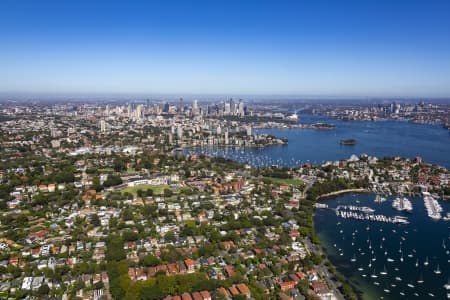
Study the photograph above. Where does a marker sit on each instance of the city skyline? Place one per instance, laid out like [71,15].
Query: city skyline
[371,49]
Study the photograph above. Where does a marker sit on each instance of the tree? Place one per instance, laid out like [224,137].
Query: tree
[95,220]
[168,192]
[170,236]
[112,180]
[348,292]
[96,184]
[119,281]
[120,164]
[43,290]
[151,261]
[127,214]
[129,235]
[115,251]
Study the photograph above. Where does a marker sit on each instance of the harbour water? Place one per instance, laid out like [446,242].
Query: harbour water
[380,138]
[385,260]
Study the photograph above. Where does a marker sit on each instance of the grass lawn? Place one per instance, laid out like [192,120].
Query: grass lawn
[292,182]
[157,189]
[106,170]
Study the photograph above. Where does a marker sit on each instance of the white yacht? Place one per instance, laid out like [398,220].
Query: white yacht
[402,204]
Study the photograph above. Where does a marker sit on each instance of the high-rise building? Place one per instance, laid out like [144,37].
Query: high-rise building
[195,107]
[241,108]
[227,110]
[166,107]
[249,130]
[102,126]
[181,108]
[232,107]
[226,137]
[129,110]
[180,132]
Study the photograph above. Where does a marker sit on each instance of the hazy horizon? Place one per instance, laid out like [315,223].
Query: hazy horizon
[356,49]
[188,98]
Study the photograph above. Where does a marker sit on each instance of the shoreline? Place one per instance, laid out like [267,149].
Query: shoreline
[340,192]
[323,249]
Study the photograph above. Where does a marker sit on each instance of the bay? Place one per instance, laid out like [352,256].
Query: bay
[422,239]
[380,138]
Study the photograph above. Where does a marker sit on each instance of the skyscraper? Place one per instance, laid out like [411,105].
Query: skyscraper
[241,108]
[227,110]
[181,108]
[195,107]
[102,126]
[232,107]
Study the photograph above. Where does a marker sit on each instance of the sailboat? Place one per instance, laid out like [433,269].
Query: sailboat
[401,258]
[425,263]
[373,274]
[420,280]
[417,263]
[353,258]
[447,285]
[384,272]
[437,271]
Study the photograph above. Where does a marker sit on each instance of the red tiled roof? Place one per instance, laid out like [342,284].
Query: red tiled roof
[205,295]
[242,287]
[186,296]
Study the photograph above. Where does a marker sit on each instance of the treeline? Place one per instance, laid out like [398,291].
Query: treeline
[333,185]
[282,173]
[162,285]
[117,267]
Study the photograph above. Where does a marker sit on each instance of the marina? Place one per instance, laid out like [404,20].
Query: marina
[371,217]
[433,207]
[386,260]
[402,204]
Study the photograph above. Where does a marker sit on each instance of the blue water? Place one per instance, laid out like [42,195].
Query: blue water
[422,238]
[381,138]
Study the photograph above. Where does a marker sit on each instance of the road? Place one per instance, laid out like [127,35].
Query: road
[323,269]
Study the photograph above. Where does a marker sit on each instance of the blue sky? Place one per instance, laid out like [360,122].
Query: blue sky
[316,47]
